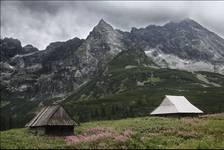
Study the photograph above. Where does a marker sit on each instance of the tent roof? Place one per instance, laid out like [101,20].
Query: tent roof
[175,104]
[50,116]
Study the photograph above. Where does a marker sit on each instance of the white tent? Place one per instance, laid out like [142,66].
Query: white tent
[175,105]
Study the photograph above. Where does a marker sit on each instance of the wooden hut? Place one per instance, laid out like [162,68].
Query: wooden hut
[52,120]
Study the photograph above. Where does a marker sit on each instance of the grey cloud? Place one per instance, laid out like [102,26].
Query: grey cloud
[42,22]
[41,6]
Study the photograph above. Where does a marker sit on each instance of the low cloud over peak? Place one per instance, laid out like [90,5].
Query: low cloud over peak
[42,22]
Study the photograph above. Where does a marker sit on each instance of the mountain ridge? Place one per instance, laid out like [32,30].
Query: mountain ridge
[168,47]
[31,77]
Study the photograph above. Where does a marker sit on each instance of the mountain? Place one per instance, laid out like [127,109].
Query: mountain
[184,45]
[112,74]
[59,69]
[36,75]
[102,44]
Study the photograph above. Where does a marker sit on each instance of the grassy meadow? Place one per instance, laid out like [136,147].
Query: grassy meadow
[143,132]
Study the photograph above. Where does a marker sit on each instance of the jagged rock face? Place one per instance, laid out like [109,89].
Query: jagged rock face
[39,75]
[9,47]
[187,40]
[184,45]
[102,44]
[29,49]
[63,66]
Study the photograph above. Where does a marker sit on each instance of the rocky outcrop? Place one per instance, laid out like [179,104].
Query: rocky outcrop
[102,44]
[39,75]
[182,45]
[9,47]
[29,49]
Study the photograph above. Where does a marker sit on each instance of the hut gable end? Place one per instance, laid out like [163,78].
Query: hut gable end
[60,117]
[51,116]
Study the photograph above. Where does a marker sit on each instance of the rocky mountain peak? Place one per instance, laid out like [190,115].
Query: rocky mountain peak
[53,45]
[103,23]
[9,47]
[11,43]
[29,49]
[104,38]
[102,26]
[181,41]
[101,45]
[184,24]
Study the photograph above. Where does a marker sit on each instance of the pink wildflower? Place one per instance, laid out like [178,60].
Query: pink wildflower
[97,133]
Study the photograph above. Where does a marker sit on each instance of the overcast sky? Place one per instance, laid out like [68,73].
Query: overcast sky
[41,22]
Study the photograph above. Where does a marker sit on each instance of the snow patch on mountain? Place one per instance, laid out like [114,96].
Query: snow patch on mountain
[174,62]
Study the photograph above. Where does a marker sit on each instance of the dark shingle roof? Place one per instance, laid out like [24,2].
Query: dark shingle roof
[50,116]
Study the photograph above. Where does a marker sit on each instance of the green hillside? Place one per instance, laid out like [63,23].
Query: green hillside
[132,85]
[141,132]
